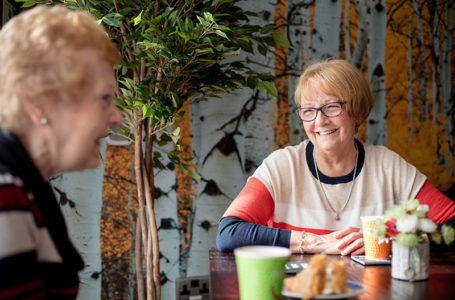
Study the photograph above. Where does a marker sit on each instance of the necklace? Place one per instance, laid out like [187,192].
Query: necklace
[337,212]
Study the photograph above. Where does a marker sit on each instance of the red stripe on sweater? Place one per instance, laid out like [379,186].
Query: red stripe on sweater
[64,291]
[14,198]
[282,225]
[37,296]
[441,207]
[24,288]
[254,204]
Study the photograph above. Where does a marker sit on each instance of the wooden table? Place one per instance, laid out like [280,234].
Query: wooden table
[377,280]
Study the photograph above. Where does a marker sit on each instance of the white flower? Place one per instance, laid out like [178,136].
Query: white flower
[422,207]
[427,225]
[407,224]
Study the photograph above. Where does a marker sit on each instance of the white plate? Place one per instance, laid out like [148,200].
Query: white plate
[353,289]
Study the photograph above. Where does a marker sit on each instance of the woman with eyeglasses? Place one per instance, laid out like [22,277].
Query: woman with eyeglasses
[310,197]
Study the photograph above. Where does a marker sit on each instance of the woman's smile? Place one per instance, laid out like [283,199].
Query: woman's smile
[326,132]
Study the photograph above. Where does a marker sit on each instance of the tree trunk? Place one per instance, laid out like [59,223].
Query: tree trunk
[283,119]
[185,193]
[446,81]
[135,238]
[141,253]
[377,128]
[305,11]
[80,196]
[153,250]
[347,36]
[433,23]
[409,81]
[362,34]
[220,154]
[139,261]
[423,76]
[296,32]
[326,29]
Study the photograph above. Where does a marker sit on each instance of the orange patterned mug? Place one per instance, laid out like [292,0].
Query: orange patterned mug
[373,250]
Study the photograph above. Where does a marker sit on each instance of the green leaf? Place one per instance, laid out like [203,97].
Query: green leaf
[407,239]
[167,11]
[224,28]
[28,4]
[158,164]
[262,49]
[204,51]
[202,21]
[175,99]
[149,30]
[124,11]
[252,82]
[184,36]
[173,17]
[380,229]
[194,175]
[140,102]
[235,52]
[396,212]
[419,213]
[281,39]
[270,88]
[146,112]
[112,19]
[138,19]
[157,19]
[411,204]
[176,132]
[150,45]
[157,154]
[448,233]
[208,16]
[268,28]
[261,86]
[222,34]
[436,237]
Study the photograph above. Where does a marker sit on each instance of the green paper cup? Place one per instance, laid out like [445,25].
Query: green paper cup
[260,271]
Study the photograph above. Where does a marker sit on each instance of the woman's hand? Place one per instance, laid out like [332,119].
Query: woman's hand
[344,242]
[350,241]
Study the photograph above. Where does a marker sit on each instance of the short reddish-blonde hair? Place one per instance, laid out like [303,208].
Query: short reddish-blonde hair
[341,79]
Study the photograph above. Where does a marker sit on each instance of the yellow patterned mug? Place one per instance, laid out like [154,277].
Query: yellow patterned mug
[373,250]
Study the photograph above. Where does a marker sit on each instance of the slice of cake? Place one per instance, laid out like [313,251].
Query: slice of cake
[335,278]
[319,277]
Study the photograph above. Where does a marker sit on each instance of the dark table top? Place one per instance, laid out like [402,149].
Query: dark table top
[377,280]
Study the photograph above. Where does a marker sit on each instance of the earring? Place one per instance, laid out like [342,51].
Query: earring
[43,120]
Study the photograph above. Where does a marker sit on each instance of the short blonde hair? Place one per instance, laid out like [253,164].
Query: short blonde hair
[341,79]
[40,54]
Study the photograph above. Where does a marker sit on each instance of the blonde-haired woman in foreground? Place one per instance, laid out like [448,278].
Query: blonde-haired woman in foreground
[57,87]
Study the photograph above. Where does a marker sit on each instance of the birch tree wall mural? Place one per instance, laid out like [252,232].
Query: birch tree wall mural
[404,48]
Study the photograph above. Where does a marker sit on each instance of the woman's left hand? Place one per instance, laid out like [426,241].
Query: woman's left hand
[351,241]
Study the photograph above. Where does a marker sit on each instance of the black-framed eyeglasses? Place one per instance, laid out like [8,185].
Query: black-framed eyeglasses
[330,110]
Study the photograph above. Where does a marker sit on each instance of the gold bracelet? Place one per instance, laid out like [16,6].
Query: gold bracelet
[301,240]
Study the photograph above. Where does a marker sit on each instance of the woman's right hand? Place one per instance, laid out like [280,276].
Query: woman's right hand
[344,242]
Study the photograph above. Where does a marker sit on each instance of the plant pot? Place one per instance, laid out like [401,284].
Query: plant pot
[411,264]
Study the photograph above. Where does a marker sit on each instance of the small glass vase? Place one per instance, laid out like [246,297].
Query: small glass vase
[411,264]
